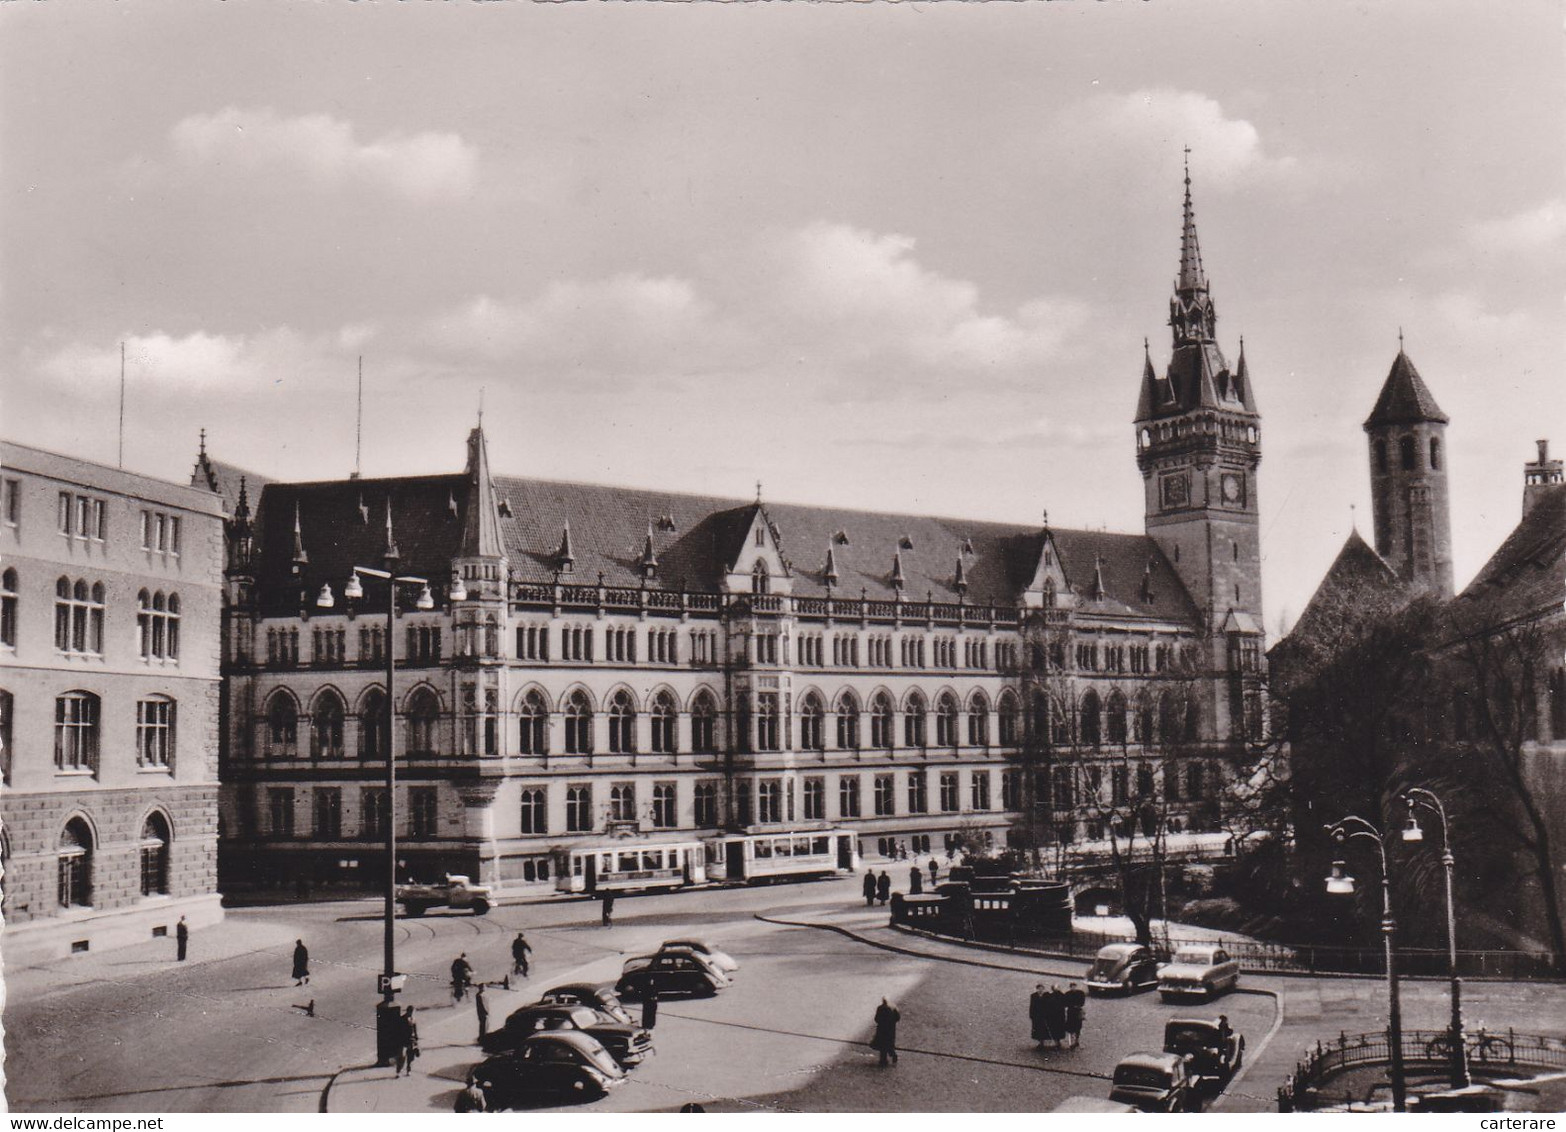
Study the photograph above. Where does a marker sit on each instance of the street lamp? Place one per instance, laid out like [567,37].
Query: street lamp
[1415,797]
[384,1044]
[1340,883]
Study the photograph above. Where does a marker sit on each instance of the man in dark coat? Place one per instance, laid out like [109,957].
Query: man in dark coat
[883,887]
[410,1035]
[935,872]
[181,938]
[1055,1014]
[1076,1007]
[885,1040]
[301,963]
[519,953]
[869,888]
[1036,1015]
[461,976]
[915,881]
[650,1003]
[607,919]
[481,1004]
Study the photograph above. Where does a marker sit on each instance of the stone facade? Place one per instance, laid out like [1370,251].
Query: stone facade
[109,689]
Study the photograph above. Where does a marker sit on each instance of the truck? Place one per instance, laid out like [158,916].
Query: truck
[453,892]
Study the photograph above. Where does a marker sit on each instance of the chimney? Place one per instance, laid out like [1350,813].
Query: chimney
[1539,476]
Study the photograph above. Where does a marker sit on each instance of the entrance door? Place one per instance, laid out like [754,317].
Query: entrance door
[845,852]
[736,859]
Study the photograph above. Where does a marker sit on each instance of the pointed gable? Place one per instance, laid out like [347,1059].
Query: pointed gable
[1527,573]
[1404,399]
[1358,582]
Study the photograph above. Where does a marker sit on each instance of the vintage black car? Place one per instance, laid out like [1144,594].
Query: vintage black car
[1153,1082]
[674,973]
[600,996]
[548,1068]
[1210,1047]
[627,1044]
[1122,968]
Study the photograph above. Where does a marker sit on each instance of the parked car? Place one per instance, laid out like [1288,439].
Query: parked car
[1152,1082]
[722,960]
[549,1067]
[1092,1104]
[1199,970]
[682,972]
[1122,967]
[1210,1047]
[599,996]
[626,1043]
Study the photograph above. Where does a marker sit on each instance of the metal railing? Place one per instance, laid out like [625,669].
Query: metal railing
[1495,1051]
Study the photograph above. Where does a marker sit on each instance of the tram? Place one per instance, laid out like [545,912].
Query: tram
[758,858]
[628,866]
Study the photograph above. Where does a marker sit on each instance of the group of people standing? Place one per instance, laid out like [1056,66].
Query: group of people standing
[1057,1014]
[878,886]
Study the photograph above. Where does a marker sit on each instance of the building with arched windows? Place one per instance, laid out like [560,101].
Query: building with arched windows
[109,690]
[605,662]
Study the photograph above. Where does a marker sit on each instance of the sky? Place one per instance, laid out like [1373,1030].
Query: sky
[884,256]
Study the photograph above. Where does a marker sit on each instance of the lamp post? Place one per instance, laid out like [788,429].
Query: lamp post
[1415,797]
[1340,883]
[353,591]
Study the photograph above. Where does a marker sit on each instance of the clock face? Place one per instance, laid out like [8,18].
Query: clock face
[1231,489]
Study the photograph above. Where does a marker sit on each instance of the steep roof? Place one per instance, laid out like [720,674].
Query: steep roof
[1527,574]
[1358,582]
[1404,398]
[696,540]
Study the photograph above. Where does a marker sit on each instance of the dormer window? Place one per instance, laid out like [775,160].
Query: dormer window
[761,537]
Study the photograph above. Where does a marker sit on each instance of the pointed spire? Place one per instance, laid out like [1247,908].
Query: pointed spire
[898,580]
[204,474]
[1192,277]
[202,453]
[960,579]
[389,555]
[242,508]
[1404,398]
[481,518]
[301,559]
[364,510]
[1098,578]
[829,572]
[1147,581]
[649,559]
[1191,314]
[565,561]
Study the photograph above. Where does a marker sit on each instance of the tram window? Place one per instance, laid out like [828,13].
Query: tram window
[763,849]
[652,859]
[821,846]
[784,847]
[629,862]
[576,865]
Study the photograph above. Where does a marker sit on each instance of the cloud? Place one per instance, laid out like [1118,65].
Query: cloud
[1534,231]
[1161,121]
[324,152]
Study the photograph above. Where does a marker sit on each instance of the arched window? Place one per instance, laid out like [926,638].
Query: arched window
[95,618]
[767,722]
[622,724]
[946,721]
[1168,718]
[533,715]
[663,717]
[1117,718]
[75,861]
[622,802]
[760,579]
[1007,714]
[423,714]
[913,721]
[881,721]
[847,722]
[173,629]
[326,727]
[1435,454]
[812,732]
[1406,453]
[491,636]
[155,839]
[282,727]
[1041,721]
[372,726]
[1089,720]
[76,732]
[978,721]
[579,724]
[8,608]
[155,733]
[704,724]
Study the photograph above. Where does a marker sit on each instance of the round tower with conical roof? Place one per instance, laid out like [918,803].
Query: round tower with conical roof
[1408,488]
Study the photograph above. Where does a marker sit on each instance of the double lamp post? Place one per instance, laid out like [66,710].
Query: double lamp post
[1339,882]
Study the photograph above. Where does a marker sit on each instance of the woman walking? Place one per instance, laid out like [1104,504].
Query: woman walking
[885,1040]
[301,963]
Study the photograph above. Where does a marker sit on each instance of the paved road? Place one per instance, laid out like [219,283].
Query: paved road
[133,1031]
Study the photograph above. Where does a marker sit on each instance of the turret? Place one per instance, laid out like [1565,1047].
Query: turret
[1540,474]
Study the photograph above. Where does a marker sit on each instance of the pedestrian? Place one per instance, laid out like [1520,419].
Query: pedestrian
[869,888]
[883,887]
[481,1004]
[399,1038]
[608,910]
[885,1040]
[519,954]
[301,963]
[461,976]
[1224,1029]
[1036,1015]
[915,881]
[935,872]
[1055,1014]
[181,938]
[411,1036]
[472,1098]
[650,1003]
[1076,1009]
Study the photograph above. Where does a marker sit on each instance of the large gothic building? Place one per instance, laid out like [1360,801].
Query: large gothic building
[595,666]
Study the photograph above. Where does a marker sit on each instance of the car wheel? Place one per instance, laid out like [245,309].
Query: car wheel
[481,907]
[413,909]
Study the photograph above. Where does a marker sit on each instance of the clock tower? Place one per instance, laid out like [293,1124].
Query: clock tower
[1198,443]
